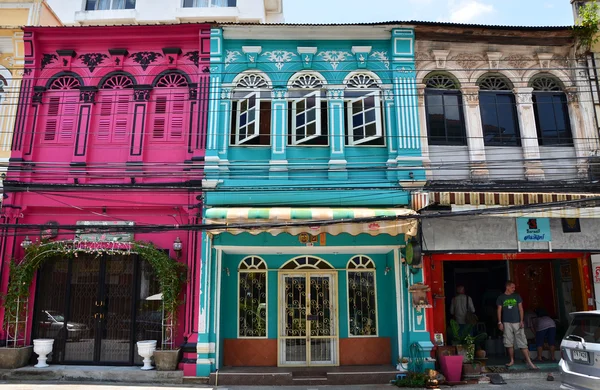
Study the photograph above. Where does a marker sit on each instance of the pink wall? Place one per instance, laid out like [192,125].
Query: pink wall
[138,146]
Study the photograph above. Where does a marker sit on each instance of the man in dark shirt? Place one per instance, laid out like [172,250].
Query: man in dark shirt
[511,323]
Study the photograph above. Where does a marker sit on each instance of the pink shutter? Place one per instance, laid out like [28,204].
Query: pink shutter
[68,120]
[52,118]
[103,128]
[159,118]
[177,116]
[122,114]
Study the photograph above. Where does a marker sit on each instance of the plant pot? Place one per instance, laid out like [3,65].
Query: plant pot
[480,354]
[471,369]
[42,347]
[452,367]
[146,349]
[166,360]
[15,357]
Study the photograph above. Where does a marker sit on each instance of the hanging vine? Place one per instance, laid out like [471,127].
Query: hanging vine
[586,28]
[170,274]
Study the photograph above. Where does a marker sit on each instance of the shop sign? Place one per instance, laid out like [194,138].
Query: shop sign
[534,229]
[97,235]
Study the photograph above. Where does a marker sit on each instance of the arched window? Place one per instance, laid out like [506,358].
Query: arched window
[252,297]
[307,262]
[362,297]
[307,110]
[170,108]
[498,112]
[251,111]
[364,124]
[551,112]
[60,109]
[443,106]
[114,109]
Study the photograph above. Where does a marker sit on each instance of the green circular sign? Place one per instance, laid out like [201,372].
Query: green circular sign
[409,253]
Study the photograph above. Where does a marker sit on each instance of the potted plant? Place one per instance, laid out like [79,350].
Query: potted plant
[465,345]
[171,276]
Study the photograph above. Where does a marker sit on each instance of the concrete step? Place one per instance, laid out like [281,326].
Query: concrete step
[57,373]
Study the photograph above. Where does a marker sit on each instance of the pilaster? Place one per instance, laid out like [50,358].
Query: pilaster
[337,154]
[391,140]
[219,109]
[474,129]
[279,129]
[87,96]
[529,139]
[141,97]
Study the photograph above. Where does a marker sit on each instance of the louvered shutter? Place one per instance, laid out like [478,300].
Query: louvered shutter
[121,129]
[52,118]
[177,116]
[103,128]
[159,119]
[68,120]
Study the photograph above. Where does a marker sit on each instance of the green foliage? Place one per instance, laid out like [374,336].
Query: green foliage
[586,29]
[412,379]
[171,274]
[464,337]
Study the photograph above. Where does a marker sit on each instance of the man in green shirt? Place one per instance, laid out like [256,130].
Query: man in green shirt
[511,323]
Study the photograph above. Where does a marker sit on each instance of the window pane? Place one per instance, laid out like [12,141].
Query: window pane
[371,130]
[300,132]
[243,119]
[370,116]
[311,115]
[311,102]
[252,101]
[357,120]
[357,106]
[311,129]
[90,5]
[251,115]
[435,118]
[299,120]
[361,303]
[252,304]
[489,118]
[130,4]
[507,119]
[358,133]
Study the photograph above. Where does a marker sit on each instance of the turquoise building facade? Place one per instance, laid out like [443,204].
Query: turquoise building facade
[313,144]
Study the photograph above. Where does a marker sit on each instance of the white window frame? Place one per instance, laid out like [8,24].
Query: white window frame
[316,121]
[254,270]
[209,3]
[378,119]
[239,113]
[111,7]
[362,268]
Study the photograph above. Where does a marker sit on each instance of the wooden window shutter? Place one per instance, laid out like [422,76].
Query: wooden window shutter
[68,121]
[121,121]
[177,116]
[159,120]
[104,118]
[52,118]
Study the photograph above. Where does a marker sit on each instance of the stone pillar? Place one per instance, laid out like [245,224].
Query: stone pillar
[337,140]
[528,130]
[474,130]
[279,130]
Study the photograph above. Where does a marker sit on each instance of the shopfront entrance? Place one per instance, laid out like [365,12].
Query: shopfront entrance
[308,327]
[96,308]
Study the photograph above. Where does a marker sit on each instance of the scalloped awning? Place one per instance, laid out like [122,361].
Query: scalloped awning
[295,216]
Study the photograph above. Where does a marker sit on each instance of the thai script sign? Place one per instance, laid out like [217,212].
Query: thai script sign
[534,229]
[91,234]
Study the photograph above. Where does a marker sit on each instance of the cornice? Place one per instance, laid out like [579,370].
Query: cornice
[258,32]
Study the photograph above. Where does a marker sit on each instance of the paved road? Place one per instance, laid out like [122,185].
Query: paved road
[511,385]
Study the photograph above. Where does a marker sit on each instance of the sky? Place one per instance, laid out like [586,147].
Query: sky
[501,12]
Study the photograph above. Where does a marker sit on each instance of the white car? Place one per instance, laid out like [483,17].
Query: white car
[580,352]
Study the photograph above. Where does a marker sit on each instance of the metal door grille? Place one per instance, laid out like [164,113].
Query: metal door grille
[308,319]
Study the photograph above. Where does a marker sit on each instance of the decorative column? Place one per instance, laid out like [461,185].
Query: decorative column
[337,155]
[581,142]
[391,139]
[279,129]
[87,96]
[141,97]
[474,130]
[527,128]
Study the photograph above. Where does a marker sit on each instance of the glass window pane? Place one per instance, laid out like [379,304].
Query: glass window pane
[243,119]
[90,5]
[251,129]
[251,115]
[370,116]
[545,113]
[361,303]
[311,115]
[299,120]
[357,106]
[311,102]
[300,132]
[489,118]
[252,101]
[252,305]
[358,133]
[130,4]
[311,129]
[371,130]
[244,105]
[300,106]
[435,118]
[357,120]
[560,112]
[507,118]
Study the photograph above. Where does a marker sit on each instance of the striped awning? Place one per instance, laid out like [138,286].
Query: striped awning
[298,220]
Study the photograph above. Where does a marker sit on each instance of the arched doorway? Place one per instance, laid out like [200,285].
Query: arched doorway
[308,323]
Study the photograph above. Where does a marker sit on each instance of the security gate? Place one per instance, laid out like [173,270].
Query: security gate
[308,329]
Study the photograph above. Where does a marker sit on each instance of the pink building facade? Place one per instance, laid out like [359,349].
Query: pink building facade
[110,128]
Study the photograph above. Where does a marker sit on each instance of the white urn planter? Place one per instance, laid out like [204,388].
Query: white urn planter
[146,349]
[42,347]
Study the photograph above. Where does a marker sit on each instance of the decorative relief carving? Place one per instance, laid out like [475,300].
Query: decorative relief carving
[334,57]
[440,58]
[518,61]
[471,98]
[141,95]
[422,56]
[92,60]
[494,59]
[572,95]
[279,57]
[27,71]
[523,97]
[335,93]
[193,56]
[193,93]
[231,57]
[145,58]
[37,96]
[382,56]
[48,59]
[10,61]
[560,61]
[279,93]
[87,96]
[388,94]
[225,93]
[468,60]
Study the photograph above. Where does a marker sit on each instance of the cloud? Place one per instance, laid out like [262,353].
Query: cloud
[467,11]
